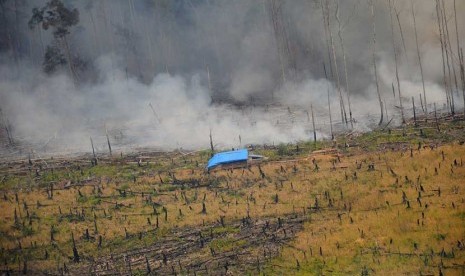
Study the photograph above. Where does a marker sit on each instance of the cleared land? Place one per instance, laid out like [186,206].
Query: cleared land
[388,202]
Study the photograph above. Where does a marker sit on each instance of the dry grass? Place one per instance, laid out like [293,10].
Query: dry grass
[361,223]
[380,234]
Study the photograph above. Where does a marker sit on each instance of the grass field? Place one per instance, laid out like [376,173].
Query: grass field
[385,202]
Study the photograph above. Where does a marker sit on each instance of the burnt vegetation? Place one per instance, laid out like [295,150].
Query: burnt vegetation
[162,213]
[387,201]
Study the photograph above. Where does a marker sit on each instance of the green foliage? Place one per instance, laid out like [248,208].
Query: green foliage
[226,244]
[54,14]
[440,236]
[223,230]
[27,231]
[57,16]
[53,59]
[283,150]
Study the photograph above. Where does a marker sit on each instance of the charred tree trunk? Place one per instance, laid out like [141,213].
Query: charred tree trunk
[313,123]
[211,143]
[108,140]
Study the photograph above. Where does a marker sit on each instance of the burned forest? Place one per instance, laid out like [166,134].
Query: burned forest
[218,137]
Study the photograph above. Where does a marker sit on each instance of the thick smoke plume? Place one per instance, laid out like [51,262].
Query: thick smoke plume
[165,73]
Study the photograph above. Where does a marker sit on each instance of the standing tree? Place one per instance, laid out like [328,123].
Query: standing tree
[374,61]
[61,19]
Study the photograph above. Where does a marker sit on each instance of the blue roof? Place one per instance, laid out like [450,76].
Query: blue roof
[228,157]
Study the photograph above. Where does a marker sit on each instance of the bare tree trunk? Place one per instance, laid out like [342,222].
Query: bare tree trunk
[7,128]
[422,107]
[41,41]
[386,111]
[374,61]
[323,13]
[11,43]
[449,55]
[109,36]
[108,139]
[94,30]
[155,113]
[70,61]
[400,29]
[462,75]
[419,59]
[460,54]
[397,66]
[456,29]
[439,17]
[150,45]
[211,143]
[275,20]
[313,123]
[93,149]
[329,107]
[336,69]
[341,38]
[208,77]
[17,42]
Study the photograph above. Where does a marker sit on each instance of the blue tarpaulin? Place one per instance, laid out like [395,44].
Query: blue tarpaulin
[228,157]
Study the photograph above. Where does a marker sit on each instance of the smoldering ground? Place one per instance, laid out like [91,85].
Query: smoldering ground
[152,68]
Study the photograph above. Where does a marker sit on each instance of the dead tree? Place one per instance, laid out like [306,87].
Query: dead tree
[374,61]
[75,251]
[93,149]
[313,122]
[400,30]
[329,107]
[208,78]
[460,54]
[341,38]
[7,128]
[155,113]
[323,13]
[396,63]
[108,140]
[286,59]
[462,75]
[336,69]
[442,42]
[449,56]
[419,59]
[211,143]
[204,208]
